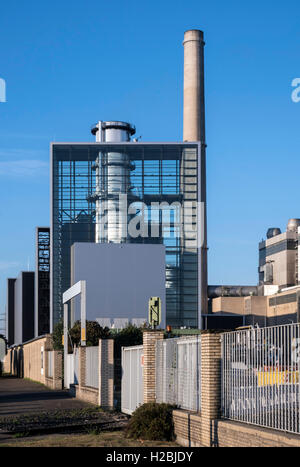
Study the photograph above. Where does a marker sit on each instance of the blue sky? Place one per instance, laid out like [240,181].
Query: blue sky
[68,64]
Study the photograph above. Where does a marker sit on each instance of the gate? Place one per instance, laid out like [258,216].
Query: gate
[132,387]
[260,377]
[178,372]
[92,367]
[71,370]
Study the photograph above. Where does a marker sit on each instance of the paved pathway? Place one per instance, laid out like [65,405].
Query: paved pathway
[20,396]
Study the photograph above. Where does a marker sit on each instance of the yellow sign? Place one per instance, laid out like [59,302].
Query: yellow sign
[63,340]
[83,334]
[154,311]
[272,377]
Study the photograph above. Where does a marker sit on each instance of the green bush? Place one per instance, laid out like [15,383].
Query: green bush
[94,332]
[129,336]
[152,422]
[57,335]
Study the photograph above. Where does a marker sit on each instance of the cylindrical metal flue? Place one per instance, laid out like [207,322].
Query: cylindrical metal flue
[293,225]
[273,231]
[215,291]
[112,183]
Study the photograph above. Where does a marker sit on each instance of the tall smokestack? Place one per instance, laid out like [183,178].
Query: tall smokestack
[193,100]
[194,130]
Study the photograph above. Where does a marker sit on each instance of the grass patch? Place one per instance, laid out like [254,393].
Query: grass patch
[21,435]
[84,417]
[104,439]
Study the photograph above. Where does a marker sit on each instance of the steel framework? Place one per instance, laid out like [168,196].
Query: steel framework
[163,172]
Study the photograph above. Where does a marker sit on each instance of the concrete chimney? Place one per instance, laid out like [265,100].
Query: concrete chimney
[193,100]
[194,130]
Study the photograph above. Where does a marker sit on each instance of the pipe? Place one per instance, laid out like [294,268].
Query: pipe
[215,291]
[112,181]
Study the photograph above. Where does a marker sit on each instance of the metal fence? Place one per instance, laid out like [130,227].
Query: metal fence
[76,365]
[260,377]
[50,364]
[69,370]
[178,372]
[132,391]
[92,367]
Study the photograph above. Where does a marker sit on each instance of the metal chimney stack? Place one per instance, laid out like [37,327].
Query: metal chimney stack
[194,131]
[112,182]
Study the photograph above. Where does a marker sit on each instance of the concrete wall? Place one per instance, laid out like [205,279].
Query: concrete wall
[264,310]
[120,279]
[30,361]
[228,305]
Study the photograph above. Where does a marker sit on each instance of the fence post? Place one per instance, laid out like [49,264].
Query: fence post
[210,385]
[82,366]
[57,369]
[106,373]
[149,341]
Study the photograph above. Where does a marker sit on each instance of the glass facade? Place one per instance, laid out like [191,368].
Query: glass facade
[163,193]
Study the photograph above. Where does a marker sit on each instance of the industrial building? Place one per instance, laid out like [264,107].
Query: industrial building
[129,219]
[122,191]
[276,299]
[24,307]
[28,296]
[10,310]
[278,256]
[42,282]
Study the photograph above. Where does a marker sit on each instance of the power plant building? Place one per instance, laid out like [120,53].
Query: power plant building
[159,186]
[118,190]
[278,256]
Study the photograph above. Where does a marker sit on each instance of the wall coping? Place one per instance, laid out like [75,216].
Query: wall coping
[44,336]
[187,414]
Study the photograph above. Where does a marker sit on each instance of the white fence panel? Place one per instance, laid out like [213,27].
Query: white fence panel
[260,377]
[92,367]
[50,355]
[70,370]
[178,372]
[76,365]
[132,391]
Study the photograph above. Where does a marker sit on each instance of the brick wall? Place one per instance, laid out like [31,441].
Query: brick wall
[234,434]
[7,362]
[206,428]
[30,361]
[104,395]
[187,427]
[210,384]
[106,373]
[56,381]
[34,359]
[149,340]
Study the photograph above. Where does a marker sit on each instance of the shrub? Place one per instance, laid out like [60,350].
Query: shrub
[57,334]
[129,336]
[94,332]
[152,422]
